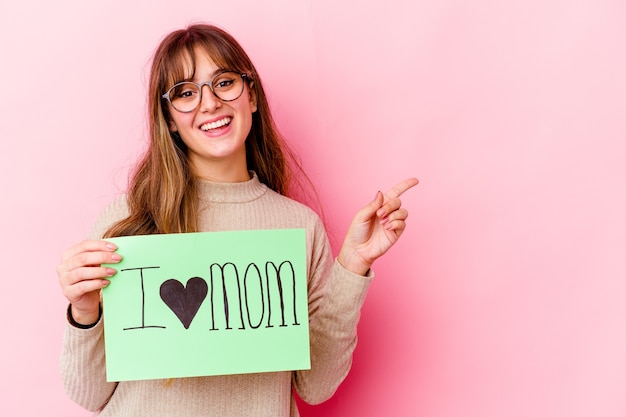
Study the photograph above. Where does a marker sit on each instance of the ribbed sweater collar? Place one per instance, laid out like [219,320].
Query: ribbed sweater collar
[231,192]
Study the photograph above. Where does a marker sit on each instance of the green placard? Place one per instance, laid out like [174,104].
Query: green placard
[198,304]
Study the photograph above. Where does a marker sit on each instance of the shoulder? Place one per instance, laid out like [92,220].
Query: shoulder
[276,211]
[284,206]
[112,213]
[288,213]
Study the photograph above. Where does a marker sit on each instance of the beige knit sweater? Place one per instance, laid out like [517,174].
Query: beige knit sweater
[335,299]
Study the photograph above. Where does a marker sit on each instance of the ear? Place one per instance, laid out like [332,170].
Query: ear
[252,94]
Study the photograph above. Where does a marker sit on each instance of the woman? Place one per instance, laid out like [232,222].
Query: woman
[216,162]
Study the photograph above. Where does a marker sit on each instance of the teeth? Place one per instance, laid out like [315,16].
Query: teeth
[215,125]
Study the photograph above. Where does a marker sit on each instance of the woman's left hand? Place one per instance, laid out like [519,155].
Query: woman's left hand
[375,229]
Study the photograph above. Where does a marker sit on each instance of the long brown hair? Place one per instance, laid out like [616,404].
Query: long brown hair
[162,195]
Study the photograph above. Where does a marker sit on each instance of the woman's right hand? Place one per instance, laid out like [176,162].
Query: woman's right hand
[81,277]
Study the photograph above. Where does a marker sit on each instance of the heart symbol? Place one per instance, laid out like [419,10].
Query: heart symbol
[184,302]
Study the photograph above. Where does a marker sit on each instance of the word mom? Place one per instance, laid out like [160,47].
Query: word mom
[236,300]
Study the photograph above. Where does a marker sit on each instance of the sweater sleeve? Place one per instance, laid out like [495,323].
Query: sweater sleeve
[335,299]
[82,357]
[83,367]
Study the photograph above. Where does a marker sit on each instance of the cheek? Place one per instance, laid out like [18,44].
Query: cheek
[247,121]
[251,99]
[181,121]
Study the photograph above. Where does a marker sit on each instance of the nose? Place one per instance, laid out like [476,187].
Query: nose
[208,101]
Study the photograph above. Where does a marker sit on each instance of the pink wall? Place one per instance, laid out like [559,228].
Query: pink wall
[506,296]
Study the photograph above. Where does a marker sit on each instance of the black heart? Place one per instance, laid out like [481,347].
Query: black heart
[184,302]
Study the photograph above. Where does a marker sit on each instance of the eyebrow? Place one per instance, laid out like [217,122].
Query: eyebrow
[211,75]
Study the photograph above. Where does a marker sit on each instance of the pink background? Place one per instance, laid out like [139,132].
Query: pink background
[505,297]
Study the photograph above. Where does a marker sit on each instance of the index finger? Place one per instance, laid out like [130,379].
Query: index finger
[89,246]
[398,189]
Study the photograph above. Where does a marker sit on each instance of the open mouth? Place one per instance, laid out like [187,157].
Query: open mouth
[216,124]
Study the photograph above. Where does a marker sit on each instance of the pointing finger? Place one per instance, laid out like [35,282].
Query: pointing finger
[398,189]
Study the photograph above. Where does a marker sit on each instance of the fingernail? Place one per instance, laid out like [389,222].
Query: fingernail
[105,282]
[111,246]
[116,257]
[111,272]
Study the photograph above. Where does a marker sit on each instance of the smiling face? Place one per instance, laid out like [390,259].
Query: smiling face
[215,132]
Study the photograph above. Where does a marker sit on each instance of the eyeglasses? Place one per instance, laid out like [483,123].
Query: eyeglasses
[187,95]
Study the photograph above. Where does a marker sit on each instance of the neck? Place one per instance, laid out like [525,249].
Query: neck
[222,171]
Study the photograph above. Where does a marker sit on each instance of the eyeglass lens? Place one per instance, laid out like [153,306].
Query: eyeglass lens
[226,86]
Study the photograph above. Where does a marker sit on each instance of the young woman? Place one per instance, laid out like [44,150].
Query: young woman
[216,162]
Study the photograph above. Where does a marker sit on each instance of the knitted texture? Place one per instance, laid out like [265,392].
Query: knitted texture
[335,297]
